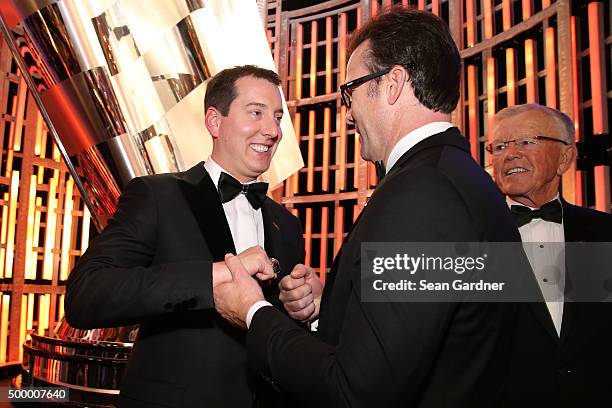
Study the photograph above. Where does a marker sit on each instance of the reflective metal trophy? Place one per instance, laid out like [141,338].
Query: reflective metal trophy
[120,84]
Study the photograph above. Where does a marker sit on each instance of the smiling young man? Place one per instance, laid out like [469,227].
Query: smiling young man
[561,356]
[160,257]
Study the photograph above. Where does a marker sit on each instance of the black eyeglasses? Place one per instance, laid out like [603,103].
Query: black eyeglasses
[523,143]
[346,89]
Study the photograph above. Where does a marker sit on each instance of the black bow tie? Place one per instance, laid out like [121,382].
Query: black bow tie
[229,188]
[380,169]
[548,212]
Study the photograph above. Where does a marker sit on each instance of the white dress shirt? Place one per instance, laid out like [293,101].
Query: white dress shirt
[411,139]
[245,222]
[547,259]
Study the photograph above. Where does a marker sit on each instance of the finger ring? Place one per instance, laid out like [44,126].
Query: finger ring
[275,265]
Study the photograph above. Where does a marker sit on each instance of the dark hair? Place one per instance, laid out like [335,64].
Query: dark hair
[221,89]
[420,42]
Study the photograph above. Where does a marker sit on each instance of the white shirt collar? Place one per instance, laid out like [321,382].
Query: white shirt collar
[411,139]
[511,202]
[214,170]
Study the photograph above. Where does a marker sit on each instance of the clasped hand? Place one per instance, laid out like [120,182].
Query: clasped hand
[235,290]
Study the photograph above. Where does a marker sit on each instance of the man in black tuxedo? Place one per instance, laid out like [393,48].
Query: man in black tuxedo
[562,356]
[404,75]
[159,259]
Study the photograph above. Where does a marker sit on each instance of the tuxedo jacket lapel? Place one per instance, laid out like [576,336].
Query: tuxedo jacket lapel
[273,239]
[203,199]
[572,233]
[540,311]
[571,224]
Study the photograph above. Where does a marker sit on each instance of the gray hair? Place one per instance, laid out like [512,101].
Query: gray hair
[563,122]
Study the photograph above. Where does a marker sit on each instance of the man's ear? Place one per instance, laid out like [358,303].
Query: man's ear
[212,120]
[398,77]
[568,157]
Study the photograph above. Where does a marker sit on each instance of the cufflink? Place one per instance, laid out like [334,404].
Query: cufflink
[275,265]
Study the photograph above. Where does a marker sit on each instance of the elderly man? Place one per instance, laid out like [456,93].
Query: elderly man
[403,83]
[562,354]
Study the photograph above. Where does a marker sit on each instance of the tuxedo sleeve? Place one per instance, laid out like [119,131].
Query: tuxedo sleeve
[385,350]
[116,283]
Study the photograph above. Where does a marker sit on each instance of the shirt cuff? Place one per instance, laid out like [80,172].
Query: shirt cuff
[253,309]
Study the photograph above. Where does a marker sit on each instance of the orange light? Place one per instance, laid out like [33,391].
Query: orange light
[323,242]
[527,9]
[510,77]
[308,235]
[435,7]
[23,323]
[551,68]
[326,136]
[506,14]
[473,111]
[470,17]
[48,257]
[299,46]
[20,114]
[85,229]
[575,90]
[311,151]
[66,231]
[338,230]
[599,100]
[3,234]
[10,238]
[30,265]
[578,179]
[602,192]
[39,131]
[43,313]
[341,179]
[295,179]
[530,71]
[36,236]
[488,19]
[313,59]
[5,302]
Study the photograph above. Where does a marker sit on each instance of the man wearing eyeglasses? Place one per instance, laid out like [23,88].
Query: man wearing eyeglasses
[403,83]
[562,356]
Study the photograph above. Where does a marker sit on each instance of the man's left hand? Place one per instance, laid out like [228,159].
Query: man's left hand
[234,299]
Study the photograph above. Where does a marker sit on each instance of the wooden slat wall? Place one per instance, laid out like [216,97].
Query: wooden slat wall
[539,56]
[514,51]
[44,224]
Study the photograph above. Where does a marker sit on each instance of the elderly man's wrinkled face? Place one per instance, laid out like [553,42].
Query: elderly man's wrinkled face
[530,173]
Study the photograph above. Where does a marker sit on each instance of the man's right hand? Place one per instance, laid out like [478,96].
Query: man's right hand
[300,292]
[255,261]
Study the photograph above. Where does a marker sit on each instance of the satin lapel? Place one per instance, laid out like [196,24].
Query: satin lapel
[571,224]
[203,199]
[273,239]
[540,311]
[570,310]
[573,232]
